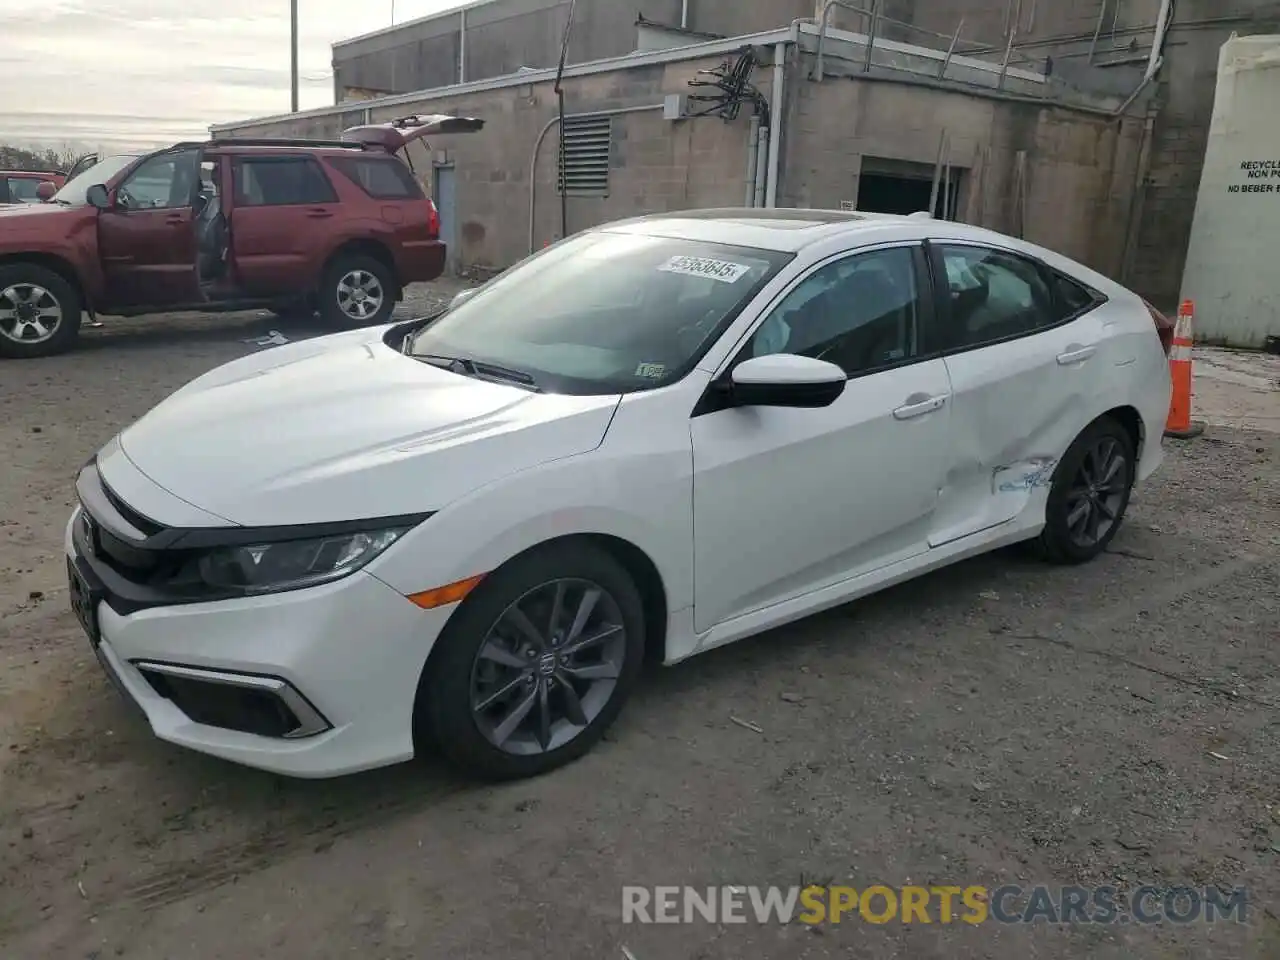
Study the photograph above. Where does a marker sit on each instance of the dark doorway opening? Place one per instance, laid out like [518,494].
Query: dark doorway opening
[885,193]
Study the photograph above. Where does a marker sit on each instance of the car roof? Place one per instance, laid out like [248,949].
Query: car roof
[782,229]
[790,230]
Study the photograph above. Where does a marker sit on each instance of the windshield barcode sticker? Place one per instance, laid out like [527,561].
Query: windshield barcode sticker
[726,271]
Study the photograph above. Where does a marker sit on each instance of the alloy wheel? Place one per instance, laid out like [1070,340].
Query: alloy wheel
[360,294]
[548,666]
[29,313]
[1096,495]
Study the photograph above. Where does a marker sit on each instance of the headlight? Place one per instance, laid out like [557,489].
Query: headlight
[271,567]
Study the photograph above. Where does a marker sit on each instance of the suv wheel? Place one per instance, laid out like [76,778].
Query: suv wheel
[39,312]
[357,291]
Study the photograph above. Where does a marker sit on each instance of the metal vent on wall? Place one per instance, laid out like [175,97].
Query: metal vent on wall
[584,162]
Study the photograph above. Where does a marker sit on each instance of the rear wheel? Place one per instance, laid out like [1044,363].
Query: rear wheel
[39,312]
[535,666]
[357,291]
[1090,494]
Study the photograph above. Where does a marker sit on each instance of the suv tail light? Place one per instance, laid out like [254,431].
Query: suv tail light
[433,220]
[1164,327]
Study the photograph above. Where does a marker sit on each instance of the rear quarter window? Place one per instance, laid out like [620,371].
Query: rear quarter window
[380,178]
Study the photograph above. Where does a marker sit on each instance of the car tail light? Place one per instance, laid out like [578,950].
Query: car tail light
[1164,327]
[433,219]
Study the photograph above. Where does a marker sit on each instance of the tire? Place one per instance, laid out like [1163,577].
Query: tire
[456,677]
[350,272]
[38,293]
[1105,499]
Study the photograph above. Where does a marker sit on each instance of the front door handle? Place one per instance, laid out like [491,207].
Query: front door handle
[318,214]
[917,405]
[1076,355]
[175,218]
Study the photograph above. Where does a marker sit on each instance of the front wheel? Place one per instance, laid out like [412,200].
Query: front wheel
[357,291]
[39,312]
[536,664]
[1090,494]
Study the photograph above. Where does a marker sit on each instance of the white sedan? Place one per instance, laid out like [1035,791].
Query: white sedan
[649,440]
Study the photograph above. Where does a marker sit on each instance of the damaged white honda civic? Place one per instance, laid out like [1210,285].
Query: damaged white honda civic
[464,534]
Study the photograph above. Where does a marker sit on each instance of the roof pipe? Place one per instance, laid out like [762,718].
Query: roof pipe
[1163,22]
[684,14]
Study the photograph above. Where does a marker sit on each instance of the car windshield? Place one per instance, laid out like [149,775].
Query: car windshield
[601,312]
[73,191]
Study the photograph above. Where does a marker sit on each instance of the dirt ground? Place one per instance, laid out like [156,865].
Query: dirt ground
[999,722]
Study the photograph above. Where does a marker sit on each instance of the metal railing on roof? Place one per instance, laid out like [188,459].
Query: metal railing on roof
[876,21]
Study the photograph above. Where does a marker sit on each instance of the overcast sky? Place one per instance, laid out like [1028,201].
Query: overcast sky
[126,73]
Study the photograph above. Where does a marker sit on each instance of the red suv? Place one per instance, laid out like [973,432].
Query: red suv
[338,226]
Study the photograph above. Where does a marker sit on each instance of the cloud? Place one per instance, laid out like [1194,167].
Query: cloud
[120,74]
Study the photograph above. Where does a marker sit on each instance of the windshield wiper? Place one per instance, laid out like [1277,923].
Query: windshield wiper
[480,369]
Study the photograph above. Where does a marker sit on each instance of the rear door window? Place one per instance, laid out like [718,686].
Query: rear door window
[993,295]
[281,181]
[1074,298]
[383,178]
[23,189]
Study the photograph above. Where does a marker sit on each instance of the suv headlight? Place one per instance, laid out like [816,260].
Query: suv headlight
[293,564]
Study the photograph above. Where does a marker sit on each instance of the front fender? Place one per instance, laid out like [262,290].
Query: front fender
[595,493]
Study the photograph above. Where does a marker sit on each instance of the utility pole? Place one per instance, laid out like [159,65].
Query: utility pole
[293,51]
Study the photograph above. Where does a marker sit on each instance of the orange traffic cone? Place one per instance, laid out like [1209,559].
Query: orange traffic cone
[1179,425]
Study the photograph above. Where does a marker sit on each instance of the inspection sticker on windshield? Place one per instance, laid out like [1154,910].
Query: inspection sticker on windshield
[651,371]
[726,271]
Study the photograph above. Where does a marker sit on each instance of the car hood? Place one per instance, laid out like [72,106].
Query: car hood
[33,211]
[23,224]
[345,428]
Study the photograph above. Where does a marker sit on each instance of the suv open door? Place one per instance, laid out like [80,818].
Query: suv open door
[82,164]
[396,134]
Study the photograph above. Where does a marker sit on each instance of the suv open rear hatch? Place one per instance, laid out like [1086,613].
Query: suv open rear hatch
[396,134]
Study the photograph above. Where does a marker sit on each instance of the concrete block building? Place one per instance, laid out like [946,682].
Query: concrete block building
[1077,125]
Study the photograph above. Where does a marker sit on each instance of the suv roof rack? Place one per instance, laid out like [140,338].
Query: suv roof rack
[285,142]
[52,170]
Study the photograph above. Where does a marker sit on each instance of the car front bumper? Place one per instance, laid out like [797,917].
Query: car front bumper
[330,673]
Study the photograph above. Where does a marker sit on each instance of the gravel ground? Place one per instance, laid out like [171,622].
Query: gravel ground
[999,722]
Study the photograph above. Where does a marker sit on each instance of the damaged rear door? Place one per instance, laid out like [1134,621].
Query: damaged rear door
[1023,347]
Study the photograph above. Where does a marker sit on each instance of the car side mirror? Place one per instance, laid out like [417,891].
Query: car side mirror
[787,380]
[463,297]
[46,190]
[97,197]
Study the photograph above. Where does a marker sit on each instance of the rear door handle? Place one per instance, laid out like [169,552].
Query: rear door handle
[175,218]
[1076,355]
[319,214]
[917,405]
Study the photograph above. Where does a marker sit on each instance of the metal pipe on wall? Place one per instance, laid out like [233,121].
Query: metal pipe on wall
[684,14]
[542,135]
[776,110]
[462,45]
[753,148]
[293,53]
[762,165]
